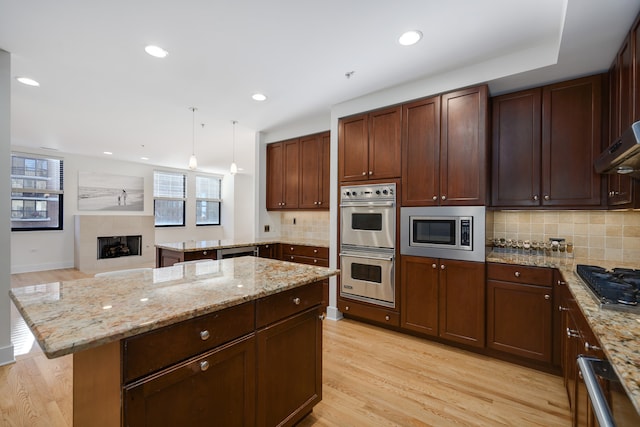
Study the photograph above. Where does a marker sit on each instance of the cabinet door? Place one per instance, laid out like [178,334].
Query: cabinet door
[289,369]
[353,148]
[519,319]
[384,144]
[291,172]
[516,149]
[463,147]
[462,302]
[216,388]
[571,141]
[419,290]
[325,183]
[310,171]
[275,175]
[421,148]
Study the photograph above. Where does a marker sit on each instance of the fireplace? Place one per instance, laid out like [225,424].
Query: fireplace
[119,246]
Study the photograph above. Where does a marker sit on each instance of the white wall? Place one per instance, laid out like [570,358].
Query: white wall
[46,250]
[6,348]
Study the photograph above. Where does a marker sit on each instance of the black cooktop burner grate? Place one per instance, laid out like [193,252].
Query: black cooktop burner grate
[617,289]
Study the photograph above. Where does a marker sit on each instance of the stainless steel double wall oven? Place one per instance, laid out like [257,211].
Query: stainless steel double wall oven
[367,246]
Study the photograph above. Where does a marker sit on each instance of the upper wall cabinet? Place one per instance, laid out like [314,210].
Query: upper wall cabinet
[545,141]
[298,173]
[444,147]
[624,99]
[369,145]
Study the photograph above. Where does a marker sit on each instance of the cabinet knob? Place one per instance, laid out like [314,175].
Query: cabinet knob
[296,301]
[591,347]
[315,251]
[204,365]
[443,197]
[387,318]
[572,333]
[291,248]
[442,267]
[546,197]
[370,172]
[315,203]
[561,308]
[434,265]
[322,316]
[291,257]
[319,203]
[364,173]
[315,261]
[204,252]
[561,283]
[517,274]
[547,297]
[204,335]
[435,197]
[535,197]
[346,308]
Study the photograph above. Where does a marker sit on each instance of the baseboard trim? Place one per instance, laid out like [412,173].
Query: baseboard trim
[333,313]
[15,269]
[6,355]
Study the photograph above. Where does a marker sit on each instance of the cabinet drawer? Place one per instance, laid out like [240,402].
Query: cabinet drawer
[375,314]
[520,274]
[320,262]
[308,251]
[147,353]
[287,303]
[204,254]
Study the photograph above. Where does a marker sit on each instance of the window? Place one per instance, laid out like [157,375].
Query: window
[36,192]
[207,200]
[169,195]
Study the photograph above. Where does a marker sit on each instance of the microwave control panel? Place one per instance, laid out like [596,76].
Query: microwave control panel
[465,233]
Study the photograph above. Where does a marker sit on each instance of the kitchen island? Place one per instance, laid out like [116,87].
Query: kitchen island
[617,332]
[234,342]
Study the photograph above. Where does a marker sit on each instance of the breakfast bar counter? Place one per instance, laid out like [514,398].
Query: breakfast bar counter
[139,340]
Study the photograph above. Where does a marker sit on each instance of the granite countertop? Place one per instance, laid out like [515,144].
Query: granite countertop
[201,245]
[67,317]
[618,332]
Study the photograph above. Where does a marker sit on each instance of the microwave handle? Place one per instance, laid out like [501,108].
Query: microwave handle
[368,257]
[366,204]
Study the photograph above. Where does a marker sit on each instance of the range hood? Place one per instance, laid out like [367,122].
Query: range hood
[623,156]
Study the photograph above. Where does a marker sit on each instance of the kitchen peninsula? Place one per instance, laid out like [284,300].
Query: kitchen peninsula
[235,341]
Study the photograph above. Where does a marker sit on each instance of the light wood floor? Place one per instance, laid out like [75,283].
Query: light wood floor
[371,377]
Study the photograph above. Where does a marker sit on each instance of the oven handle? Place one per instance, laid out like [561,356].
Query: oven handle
[366,204]
[600,406]
[368,257]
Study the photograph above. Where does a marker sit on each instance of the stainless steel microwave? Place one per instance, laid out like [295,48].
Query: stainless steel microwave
[453,232]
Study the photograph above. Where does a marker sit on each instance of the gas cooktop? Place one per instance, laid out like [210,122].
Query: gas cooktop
[617,289]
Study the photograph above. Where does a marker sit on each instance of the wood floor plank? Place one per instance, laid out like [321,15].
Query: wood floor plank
[371,377]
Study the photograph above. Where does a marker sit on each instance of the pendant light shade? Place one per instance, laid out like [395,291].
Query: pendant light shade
[193,162]
[234,168]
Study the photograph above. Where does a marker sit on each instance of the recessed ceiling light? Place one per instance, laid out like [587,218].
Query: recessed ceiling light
[259,97]
[410,37]
[108,153]
[144,158]
[156,51]
[27,81]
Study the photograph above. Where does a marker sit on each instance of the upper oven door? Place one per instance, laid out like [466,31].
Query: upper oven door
[368,224]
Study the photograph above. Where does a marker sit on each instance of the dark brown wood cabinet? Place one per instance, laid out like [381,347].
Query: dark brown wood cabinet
[314,171]
[444,145]
[283,166]
[167,257]
[519,311]
[269,250]
[369,145]
[545,141]
[303,254]
[444,298]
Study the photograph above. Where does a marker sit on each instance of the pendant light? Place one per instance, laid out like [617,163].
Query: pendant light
[193,162]
[234,168]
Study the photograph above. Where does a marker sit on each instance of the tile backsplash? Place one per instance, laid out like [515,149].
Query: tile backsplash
[603,235]
[308,225]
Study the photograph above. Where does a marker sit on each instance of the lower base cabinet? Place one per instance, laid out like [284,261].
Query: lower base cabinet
[444,298]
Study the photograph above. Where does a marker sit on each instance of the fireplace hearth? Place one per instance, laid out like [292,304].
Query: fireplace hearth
[119,246]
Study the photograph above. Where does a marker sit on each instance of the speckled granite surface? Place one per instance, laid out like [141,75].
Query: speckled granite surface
[200,245]
[67,317]
[618,333]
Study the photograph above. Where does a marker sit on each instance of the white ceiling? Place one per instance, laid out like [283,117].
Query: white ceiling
[101,92]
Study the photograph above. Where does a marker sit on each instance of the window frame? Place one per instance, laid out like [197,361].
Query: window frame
[182,199]
[217,200]
[33,192]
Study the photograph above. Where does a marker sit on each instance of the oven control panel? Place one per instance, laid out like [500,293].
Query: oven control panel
[368,192]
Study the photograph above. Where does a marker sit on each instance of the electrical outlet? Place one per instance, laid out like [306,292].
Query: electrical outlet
[294,221]
[266,228]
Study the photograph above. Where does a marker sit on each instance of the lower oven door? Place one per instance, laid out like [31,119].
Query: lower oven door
[368,276]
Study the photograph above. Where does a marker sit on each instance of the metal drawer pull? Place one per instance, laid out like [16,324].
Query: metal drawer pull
[204,335]
[561,283]
[591,347]
[561,308]
[296,301]
[572,333]
[204,365]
